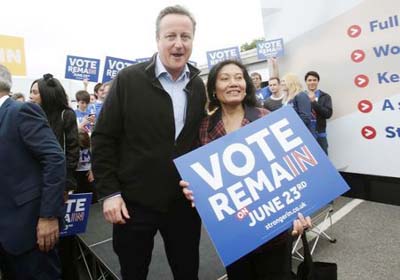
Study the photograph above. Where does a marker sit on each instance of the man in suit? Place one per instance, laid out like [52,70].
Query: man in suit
[32,176]
[151,116]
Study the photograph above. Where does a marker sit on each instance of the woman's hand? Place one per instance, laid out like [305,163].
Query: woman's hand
[300,224]
[188,193]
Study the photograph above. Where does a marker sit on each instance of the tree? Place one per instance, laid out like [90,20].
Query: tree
[252,45]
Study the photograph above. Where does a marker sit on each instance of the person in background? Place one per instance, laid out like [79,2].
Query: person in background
[98,88]
[232,98]
[262,93]
[32,176]
[297,98]
[50,95]
[84,174]
[93,98]
[18,97]
[85,113]
[274,102]
[151,116]
[101,97]
[321,104]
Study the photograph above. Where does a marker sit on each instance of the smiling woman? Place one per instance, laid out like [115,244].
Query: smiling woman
[232,102]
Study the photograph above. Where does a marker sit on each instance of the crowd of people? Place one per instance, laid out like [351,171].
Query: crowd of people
[119,143]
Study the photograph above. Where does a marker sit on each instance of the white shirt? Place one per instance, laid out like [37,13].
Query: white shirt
[3,99]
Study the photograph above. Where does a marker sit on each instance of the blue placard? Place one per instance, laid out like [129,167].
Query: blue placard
[269,49]
[194,63]
[76,214]
[250,184]
[80,68]
[142,59]
[113,65]
[213,57]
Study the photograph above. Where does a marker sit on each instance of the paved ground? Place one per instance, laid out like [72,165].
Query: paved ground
[367,242]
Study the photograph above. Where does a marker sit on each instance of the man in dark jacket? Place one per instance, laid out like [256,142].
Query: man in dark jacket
[32,176]
[321,104]
[151,116]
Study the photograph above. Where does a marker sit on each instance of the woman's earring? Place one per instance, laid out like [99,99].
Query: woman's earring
[215,97]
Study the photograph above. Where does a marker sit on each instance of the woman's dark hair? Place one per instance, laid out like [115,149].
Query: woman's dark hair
[249,99]
[53,96]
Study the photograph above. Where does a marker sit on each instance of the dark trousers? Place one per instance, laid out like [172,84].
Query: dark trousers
[32,265]
[180,229]
[84,186]
[323,142]
[269,263]
[68,250]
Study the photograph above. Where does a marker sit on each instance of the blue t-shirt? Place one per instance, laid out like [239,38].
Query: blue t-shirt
[90,110]
[262,94]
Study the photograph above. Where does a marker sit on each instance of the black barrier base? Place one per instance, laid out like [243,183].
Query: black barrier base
[373,188]
[97,242]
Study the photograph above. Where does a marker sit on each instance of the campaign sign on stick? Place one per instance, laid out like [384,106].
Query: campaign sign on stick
[80,68]
[213,57]
[268,49]
[250,185]
[76,214]
[113,65]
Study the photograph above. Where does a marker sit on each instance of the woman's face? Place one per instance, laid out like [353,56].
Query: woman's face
[230,86]
[34,96]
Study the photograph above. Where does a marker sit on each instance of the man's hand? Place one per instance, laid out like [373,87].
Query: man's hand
[47,233]
[312,96]
[114,210]
[85,84]
[187,192]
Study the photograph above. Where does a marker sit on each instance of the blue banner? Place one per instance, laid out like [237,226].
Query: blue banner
[213,57]
[113,65]
[194,63]
[76,214]
[250,184]
[80,68]
[269,49]
[143,59]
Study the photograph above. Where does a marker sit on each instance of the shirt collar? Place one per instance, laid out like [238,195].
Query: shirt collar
[160,70]
[3,99]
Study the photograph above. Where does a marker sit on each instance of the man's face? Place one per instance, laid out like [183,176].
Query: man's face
[256,81]
[102,92]
[274,86]
[312,83]
[175,42]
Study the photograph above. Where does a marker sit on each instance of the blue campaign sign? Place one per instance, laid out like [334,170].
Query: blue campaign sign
[143,59]
[76,214]
[250,184]
[80,68]
[194,63]
[268,49]
[113,65]
[213,57]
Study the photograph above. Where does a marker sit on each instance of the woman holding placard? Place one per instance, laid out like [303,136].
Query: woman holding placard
[232,102]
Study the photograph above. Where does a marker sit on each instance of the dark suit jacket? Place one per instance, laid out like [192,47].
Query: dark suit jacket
[133,143]
[32,174]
